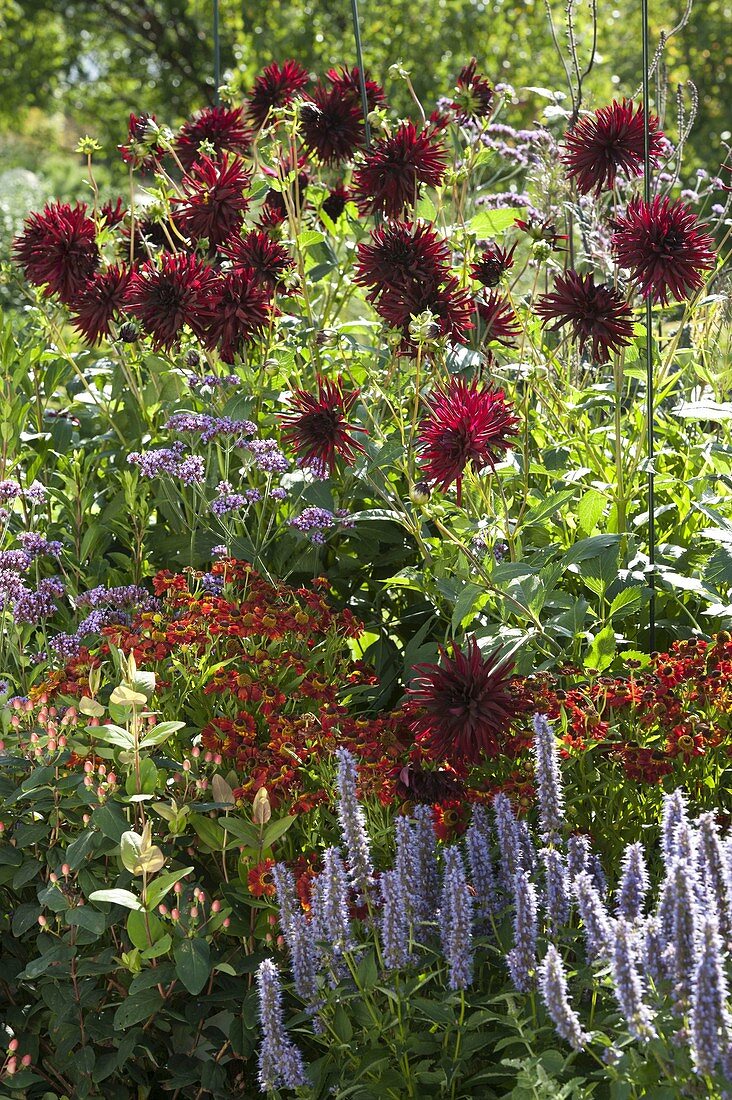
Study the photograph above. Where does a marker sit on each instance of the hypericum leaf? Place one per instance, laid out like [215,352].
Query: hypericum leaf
[157,890]
[193,964]
[160,733]
[117,897]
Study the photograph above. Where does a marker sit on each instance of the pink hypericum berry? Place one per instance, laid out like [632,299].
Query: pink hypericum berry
[42,921]
[178,888]
[65,870]
[195,752]
[26,1060]
[163,910]
[186,765]
[216,906]
[13,1046]
[225,923]
[175,914]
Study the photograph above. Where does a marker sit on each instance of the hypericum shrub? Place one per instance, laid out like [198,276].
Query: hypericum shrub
[452,973]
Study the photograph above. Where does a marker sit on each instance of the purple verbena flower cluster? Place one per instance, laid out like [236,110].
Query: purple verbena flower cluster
[211,427]
[171,462]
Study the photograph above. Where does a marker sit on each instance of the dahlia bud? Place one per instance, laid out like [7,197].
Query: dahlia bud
[192,359]
[541,251]
[128,332]
[420,493]
[423,327]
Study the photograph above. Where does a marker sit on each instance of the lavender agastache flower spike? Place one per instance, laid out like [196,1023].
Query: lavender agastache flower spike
[480,861]
[578,854]
[598,926]
[550,796]
[509,842]
[284,882]
[556,888]
[407,870]
[426,895]
[680,915]
[352,821]
[522,956]
[394,923]
[634,884]
[714,872]
[456,912]
[299,935]
[674,812]
[652,948]
[526,847]
[709,1017]
[331,914]
[628,985]
[553,986]
[280,1062]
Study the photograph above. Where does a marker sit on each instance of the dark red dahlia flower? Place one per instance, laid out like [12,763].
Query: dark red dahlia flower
[100,302]
[545,231]
[215,201]
[474,94]
[466,423]
[58,249]
[276,86]
[331,125]
[400,253]
[222,127]
[269,260]
[498,319]
[348,82]
[318,428]
[493,265]
[462,708]
[599,314]
[241,310]
[111,214]
[335,202]
[143,150]
[451,307]
[164,298]
[419,785]
[394,170]
[273,214]
[664,246]
[607,142]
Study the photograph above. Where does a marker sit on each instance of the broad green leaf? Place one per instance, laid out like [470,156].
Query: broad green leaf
[275,829]
[193,964]
[160,733]
[625,601]
[590,509]
[117,897]
[488,223]
[601,650]
[157,889]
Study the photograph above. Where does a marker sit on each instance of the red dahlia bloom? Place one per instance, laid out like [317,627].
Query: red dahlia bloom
[492,265]
[595,313]
[474,94]
[269,260]
[318,428]
[165,298]
[348,82]
[101,300]
[607,142]
[335,202]
[215,201]
[466,423]
[111,214]
[451,306]
[276,86]
[221,127]
[498,319]
[241,309]
[393,171]
[462,707]
[664,246]
[58,249]
[401,253]
[331,124]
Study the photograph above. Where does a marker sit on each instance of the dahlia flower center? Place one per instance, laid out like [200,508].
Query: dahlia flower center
[325,423]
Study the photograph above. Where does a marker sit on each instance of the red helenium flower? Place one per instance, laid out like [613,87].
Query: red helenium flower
[269,260]
[276,86]
[58,249]
[394,170]
[221,127]
[215,201]
[607,142]
[102,299]
[599,314]
[466,423]
[164,298]
[664,246]
[331,124]
[462,708]
[241,309]
[318,428]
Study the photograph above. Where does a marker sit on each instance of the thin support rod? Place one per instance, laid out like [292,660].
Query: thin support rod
[361,74]
[650,388]
[216,52]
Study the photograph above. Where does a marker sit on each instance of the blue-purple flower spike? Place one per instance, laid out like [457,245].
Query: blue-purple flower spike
[522,956]
[352,821]
[709,1018]
[556,888]
[550,796]
[426,892]
[331,911]
[714,872]
[509,841]
[280,1062]
[394,924]
[578,854]
[553,987]
[628,984]
[456,912]
[598,926]
[634,884]
[480,861]
[674,812]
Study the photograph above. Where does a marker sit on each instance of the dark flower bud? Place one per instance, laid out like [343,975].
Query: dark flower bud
[192,358]
[420,493]
[128,332]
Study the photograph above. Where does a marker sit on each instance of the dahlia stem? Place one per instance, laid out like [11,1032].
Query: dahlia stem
[620,503]
[650,395]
